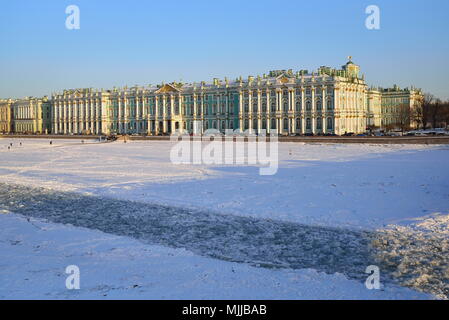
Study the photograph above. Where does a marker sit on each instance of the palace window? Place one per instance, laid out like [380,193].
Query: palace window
[318,105]
[308,106]
[330,124]
[308,124]
[319,124]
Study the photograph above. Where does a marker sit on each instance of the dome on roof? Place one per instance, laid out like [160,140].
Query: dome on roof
[349,61]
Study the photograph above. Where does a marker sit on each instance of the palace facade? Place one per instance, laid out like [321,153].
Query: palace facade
[5,116]
[28,115]
[329,101]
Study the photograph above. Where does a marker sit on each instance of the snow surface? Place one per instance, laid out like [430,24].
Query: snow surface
[354,188]
[363,186]
[34,256]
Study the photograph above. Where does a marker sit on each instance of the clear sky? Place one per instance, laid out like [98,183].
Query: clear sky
[147,42]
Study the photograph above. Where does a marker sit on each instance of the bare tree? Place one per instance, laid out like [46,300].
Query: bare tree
[434,112]
[403,117]
[445,113]
[421,112]
[417,113]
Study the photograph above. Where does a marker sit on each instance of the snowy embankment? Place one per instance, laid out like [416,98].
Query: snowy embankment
[34,255]
[313,220]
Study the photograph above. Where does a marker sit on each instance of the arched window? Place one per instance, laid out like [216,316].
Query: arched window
[285,124]
[308,124]
[330,106]
[273,107]
[318,105]
[308,106]
[298,106]
[255,124]
[298,123]
[285,106]
[330,124]
[246,124]
[264,124]
[273,124]
[319,123]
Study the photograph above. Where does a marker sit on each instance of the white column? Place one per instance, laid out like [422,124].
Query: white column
[241,113]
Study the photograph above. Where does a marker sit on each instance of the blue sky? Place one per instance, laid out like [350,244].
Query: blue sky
[147,42]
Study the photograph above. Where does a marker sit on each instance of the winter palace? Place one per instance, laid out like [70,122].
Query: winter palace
[328,101]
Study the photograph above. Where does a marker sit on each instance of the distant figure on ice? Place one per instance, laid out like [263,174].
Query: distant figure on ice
[51,142]
[20,144]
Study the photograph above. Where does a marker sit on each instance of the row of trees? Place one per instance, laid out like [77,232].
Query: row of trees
[430,113]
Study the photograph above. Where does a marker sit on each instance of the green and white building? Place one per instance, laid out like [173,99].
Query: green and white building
[328,101]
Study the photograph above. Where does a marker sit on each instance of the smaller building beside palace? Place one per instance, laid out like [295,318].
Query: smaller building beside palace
[5,116]
[31,115]
[28,115]
[327,101]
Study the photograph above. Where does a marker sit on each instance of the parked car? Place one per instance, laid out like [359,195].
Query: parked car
[393,134]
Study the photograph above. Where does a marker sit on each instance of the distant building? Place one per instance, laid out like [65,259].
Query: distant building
[81,111]
[390,107]
[5,116]
[31,115]
[329,101]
